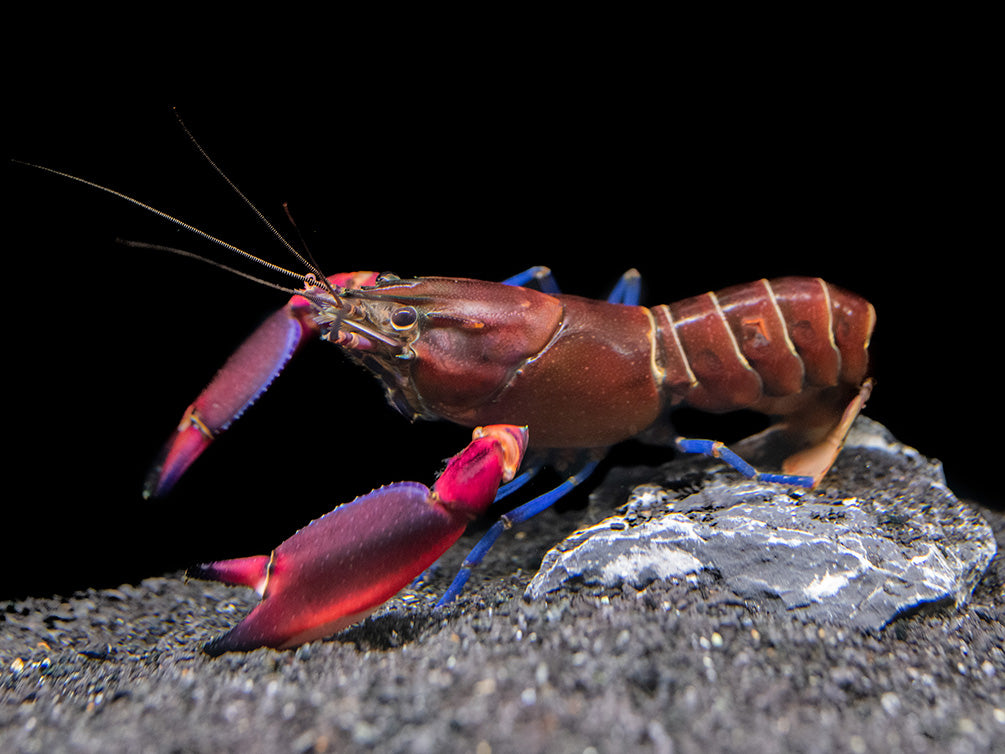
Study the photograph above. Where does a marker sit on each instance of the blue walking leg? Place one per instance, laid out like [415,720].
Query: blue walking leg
[507,489]
[518,481]
[540,275]
[516,516]
[625,291]
[715,449]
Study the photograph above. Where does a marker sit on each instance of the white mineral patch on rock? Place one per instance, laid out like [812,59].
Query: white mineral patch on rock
[892,540]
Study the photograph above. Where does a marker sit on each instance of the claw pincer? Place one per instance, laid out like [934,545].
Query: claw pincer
[336,570]
[246,375]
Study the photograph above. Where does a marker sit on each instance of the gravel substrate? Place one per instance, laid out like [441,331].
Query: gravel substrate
[676,667]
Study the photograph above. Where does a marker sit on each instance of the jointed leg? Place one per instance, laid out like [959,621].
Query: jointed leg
[516,516]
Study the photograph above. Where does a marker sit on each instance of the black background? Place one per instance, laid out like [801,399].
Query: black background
[875,188]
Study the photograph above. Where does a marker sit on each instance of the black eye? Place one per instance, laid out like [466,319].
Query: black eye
[404,318]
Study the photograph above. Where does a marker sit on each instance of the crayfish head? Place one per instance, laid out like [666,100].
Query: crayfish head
[442,347]
[361,323]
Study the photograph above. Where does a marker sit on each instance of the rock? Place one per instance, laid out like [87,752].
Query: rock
[882,538]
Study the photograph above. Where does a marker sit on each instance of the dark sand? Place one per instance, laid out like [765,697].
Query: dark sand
[673,668]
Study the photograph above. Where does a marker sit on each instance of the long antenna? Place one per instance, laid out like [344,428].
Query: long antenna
[308,261]
[170,218]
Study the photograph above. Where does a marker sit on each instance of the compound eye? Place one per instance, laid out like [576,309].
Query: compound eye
[404,318]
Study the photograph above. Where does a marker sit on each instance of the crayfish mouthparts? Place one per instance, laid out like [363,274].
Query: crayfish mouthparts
[345,326]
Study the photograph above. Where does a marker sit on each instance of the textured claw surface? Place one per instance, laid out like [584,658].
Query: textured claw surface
[339,568]
[242,379]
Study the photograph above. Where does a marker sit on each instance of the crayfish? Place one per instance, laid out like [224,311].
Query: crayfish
[581,374]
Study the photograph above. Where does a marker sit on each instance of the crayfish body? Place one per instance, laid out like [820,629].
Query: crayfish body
[581,374]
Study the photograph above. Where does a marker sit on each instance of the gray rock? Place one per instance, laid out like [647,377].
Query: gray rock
[883,537]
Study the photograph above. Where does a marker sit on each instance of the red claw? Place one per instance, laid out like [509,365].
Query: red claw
[245,376]
[338,569]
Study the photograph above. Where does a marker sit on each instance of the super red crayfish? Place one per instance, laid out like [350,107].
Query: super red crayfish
[579,373]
